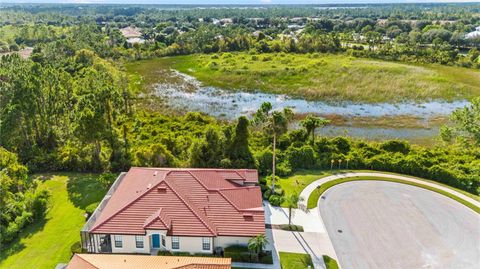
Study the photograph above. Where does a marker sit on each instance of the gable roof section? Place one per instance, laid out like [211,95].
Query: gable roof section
[104,261]
[187,202]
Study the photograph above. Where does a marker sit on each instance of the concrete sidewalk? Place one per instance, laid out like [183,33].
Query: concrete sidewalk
[314,240]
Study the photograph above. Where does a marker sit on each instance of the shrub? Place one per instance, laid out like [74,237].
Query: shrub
[396,146]
[76,248]
[91,208]
[275,200]
[301,158]
[106,180]
[40,203]
[267,193]
[284,169]
[296,228]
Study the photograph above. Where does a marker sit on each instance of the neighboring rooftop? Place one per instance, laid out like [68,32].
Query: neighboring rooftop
[131,32]
[186,202]
[474,34]
[104,261]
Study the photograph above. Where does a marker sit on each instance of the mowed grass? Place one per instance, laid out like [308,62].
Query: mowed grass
[45,244]
[295,260]
[330,263]
[297,182]
[321,76]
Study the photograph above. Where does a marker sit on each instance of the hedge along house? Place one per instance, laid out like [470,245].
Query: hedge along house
[179,210]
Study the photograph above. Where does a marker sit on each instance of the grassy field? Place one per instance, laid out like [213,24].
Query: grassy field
[321,76]
[295,260]
[45,244]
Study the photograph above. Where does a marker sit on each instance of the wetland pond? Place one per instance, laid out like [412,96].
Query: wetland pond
[416,122]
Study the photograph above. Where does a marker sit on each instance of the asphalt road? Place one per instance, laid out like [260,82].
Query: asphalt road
[375,224]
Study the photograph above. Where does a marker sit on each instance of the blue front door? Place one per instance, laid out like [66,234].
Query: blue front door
[155,241]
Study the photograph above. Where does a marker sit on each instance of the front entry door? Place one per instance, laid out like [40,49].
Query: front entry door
[155,241]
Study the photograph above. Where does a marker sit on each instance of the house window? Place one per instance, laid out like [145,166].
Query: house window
[205,243]
[164,244]
[175,242]
[118,241]
[139,241]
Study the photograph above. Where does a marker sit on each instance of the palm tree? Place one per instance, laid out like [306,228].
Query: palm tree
[256,245]
[310,123]
[292,202]
[274,123]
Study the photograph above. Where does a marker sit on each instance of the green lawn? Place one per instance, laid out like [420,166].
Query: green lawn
[290,260]
[329,262]
[45,244]
[297,182]
[319,76]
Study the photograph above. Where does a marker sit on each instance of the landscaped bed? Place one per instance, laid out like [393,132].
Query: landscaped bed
[243,254]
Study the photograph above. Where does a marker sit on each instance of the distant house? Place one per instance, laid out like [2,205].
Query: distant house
[170,209]
[103,261]
[133,35]
[474,34]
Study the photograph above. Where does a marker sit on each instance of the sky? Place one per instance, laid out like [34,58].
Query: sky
[229,2]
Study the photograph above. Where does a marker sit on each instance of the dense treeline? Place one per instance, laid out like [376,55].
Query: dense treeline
[431,33]
[21,202]
[55,112]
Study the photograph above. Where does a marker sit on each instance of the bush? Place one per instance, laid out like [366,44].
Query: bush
[164,253]
[301,158]
[91,208]
[267,193]
[76,248]
[284,169]
[295,228]
[396,146]
[275,200]
[106,180]
[40,203]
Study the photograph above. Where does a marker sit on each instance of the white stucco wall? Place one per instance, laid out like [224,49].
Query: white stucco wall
[129,245]
[187,243]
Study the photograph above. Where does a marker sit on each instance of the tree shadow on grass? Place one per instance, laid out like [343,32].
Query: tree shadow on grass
[16,245]
[84,189]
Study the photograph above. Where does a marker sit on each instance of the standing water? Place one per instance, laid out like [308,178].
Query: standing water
[190,95]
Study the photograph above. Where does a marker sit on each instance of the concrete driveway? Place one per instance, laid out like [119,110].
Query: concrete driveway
[375,224]
[314,240]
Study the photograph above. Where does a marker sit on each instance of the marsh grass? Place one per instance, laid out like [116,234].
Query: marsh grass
[322,76]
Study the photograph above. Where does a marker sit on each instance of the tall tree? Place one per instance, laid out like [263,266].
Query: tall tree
[239,151]
[311,123]
[467,124]
[274,123]
[207,152]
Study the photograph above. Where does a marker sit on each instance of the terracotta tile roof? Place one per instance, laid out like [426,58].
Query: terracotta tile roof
[105,261]
[188,202]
